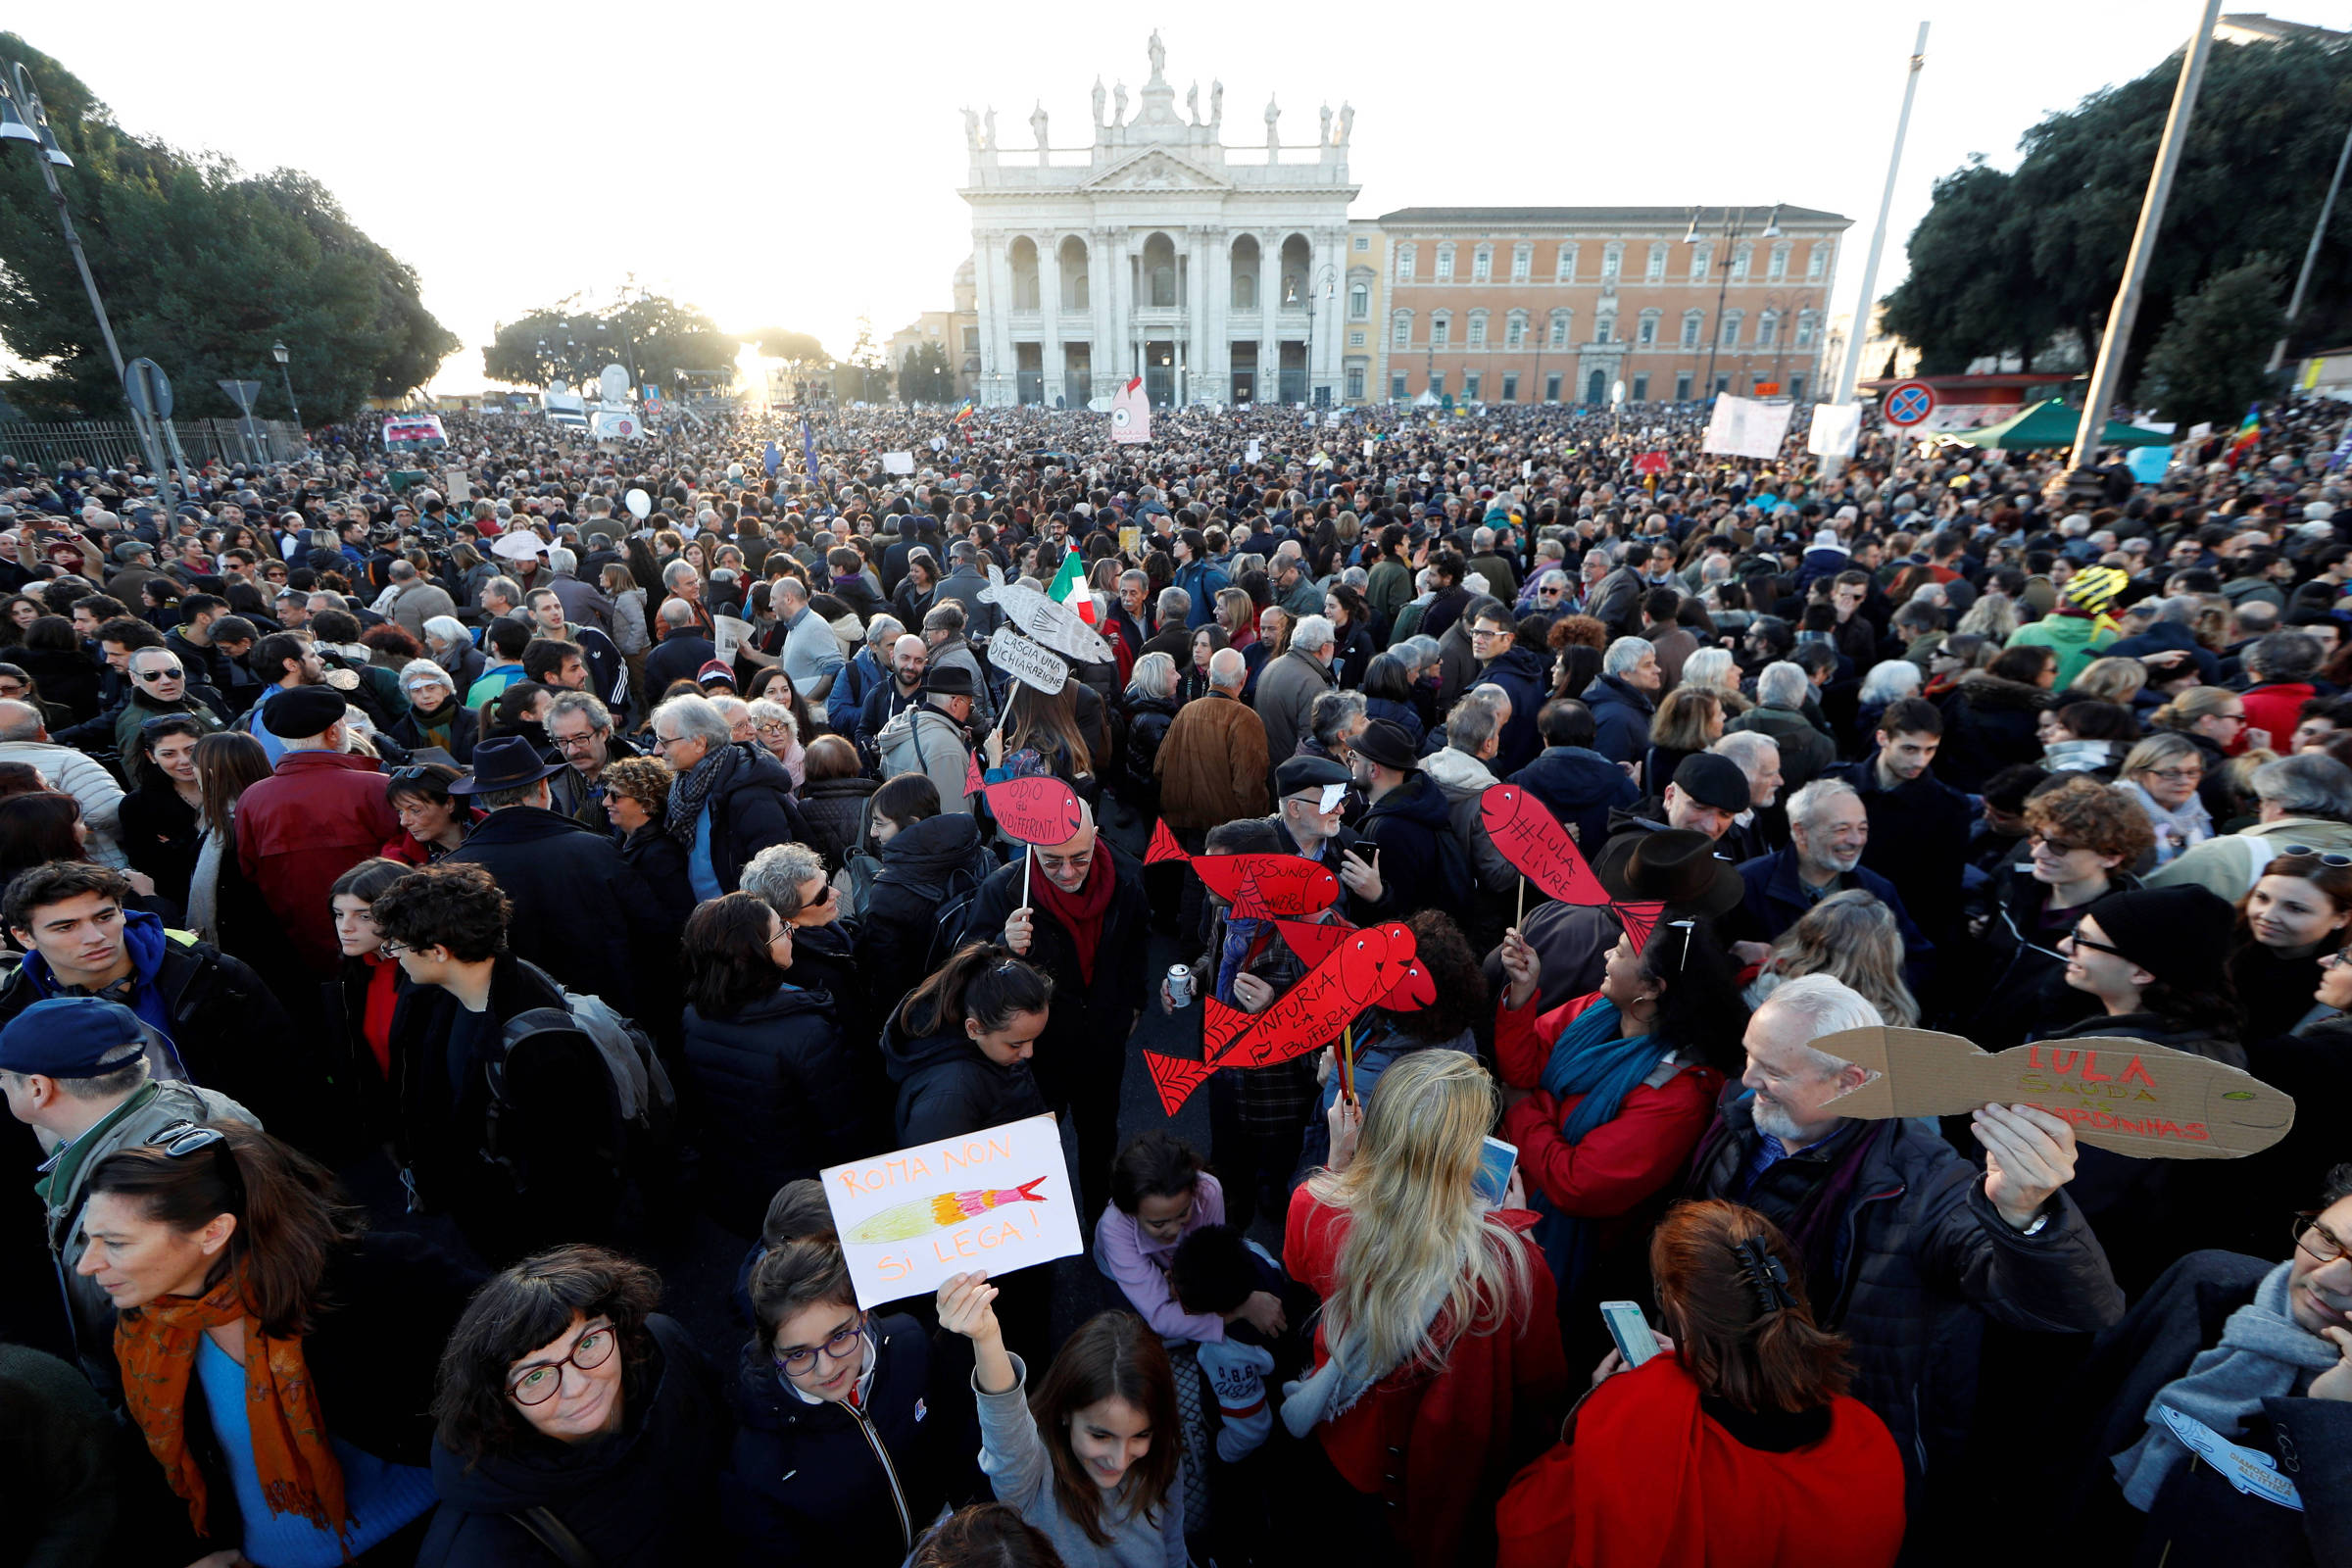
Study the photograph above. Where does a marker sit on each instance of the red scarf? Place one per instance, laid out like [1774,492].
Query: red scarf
[1080,913]
[383,996]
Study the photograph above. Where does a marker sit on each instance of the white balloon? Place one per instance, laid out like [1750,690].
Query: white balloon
[640,504]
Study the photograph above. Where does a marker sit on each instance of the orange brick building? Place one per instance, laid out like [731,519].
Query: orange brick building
[1557,304]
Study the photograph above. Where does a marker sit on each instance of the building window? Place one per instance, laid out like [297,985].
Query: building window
[1446,264]
[1723,384]
[1605,329]
[1363,242]
[1818,262]
[1805,329]
[1510,389]
[1478,329]
[1702,257]
[1360,301]
[1566,272]
[1515,331]
[1396,391]
[1482,265]
[1694,322]
[1355,383]
[1405,263]
[1470,386]
[971,340]
[1656,272]
[1403,333]
[1437,383]
[1355,340]
[1523,261]
[1682,386]
[1613,262]
[1796,389]
[1778,267]
[1646,334]
[1552,387]
[1730,336]
[1742,256]
[1640,389]
[1768,329]
[1440,332]
[1557,337]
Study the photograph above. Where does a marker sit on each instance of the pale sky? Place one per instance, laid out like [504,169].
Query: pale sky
[799,164]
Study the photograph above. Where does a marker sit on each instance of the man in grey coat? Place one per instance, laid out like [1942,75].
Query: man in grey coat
[963,584]
[415,599]
[1287,688]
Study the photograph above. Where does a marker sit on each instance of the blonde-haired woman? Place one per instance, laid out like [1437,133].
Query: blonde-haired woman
[1713,669]
[2164,774]
[1849,936]
[1440,1337]
[2110,680]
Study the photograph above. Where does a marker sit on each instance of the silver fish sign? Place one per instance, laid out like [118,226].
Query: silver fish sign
[1054,624]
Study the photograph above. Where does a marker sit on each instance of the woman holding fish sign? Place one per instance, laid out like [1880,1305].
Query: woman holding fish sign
[1078,912]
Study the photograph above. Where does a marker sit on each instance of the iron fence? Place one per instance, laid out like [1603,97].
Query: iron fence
[115,443]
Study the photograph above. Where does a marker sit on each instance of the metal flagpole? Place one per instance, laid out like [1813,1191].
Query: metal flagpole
[2109,374]
[1858,336]
[2311,252]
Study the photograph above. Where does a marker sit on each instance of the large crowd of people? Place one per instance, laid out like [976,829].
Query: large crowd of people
[435,882]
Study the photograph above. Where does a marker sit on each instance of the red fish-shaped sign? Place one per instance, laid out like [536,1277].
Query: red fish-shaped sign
[1260,887]
[1036,810]
[1533,840]
[1363,967]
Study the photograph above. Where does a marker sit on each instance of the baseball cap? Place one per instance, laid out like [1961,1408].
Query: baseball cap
[73,1036]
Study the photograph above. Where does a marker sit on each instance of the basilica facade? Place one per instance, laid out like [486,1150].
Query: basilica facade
[1214,268]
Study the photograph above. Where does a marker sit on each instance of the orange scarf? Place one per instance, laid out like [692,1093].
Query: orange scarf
[156,1345]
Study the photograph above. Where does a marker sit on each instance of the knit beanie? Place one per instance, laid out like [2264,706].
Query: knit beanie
[2178,934]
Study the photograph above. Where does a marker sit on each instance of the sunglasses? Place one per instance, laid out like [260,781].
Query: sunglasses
[2336,861]
[153,676]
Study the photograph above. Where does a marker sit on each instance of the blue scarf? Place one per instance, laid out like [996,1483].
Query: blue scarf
[145,939]
[1590,1060]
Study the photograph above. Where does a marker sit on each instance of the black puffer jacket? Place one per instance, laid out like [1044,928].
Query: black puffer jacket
[1918,1265]
[1989,723]
[645,1496]
[946,1087]
[925,868]
[833,812]
[752,810]
[812,1483]
[778,1100]
[580,912]
[1148,721]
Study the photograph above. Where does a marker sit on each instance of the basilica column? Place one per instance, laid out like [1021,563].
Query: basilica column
[1196,310]
[1049,316]
[1217,291]
[1331,254]
[999,273]
[1102,291]
[984,278]
[1269,310]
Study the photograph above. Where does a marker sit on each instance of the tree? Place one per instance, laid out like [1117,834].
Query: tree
[651,335]
[2209,361]
[869,379]
[201,267]
[806,363]
[2003,263]
[924,376]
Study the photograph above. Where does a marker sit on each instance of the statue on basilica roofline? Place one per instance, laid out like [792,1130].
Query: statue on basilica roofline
[1118,98]
[1098,103]
[1192,103]
[1347,121]
[990,118]
[1323,135]
[1216,105]
[1158,52]
[1036,124]
[971,128]
[1273,130]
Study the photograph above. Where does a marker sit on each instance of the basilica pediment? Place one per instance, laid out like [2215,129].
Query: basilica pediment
[1156,170]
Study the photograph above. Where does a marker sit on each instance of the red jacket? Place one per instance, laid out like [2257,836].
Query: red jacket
[2277,708]
[1650,1479]
[1620,1162]
[1436,1447]
[315,817]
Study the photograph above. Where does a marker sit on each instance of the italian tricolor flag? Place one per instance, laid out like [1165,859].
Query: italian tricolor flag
[1069,587]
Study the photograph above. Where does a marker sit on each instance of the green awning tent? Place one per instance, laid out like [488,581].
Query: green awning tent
[2051,423]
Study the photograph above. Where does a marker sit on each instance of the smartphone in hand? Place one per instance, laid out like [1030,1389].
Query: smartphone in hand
[1493,1177]
[1631,1330]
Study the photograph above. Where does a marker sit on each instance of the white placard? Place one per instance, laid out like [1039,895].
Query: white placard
[998,1200]
[897,463]
[1251,455]
[1743,428]
[728,634]
[1032,664]
[1837,427]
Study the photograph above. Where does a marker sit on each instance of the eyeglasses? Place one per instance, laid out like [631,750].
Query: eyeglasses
[2054,845]
[152,675]
[2337,860]
[539,1382]
[2077,936]
[2315,1238]
[797,1364]
[1477,632]
[2177,775]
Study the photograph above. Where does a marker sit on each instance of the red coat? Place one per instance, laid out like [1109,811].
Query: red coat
[1620,1162]
[318,815]
[1650,1481]
[2276,708]
[1438,1448]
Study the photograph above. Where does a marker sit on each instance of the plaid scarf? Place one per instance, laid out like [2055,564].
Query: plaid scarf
[688,793]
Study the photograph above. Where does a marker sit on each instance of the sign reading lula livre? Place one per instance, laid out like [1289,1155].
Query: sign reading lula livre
[998,1200]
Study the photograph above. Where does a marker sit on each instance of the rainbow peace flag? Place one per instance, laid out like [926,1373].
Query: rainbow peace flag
[2248,433]
[971,405]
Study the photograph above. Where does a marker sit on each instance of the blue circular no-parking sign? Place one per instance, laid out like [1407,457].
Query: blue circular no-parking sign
[1908,403]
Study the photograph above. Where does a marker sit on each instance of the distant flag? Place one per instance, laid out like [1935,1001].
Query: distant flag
[1130,414]
[772,459]
[2248,432]
[971,405]
[1070,588]
[2343,449]
[808,446]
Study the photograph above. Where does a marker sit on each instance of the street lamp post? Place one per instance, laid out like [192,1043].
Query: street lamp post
[278,352]
[1735,228]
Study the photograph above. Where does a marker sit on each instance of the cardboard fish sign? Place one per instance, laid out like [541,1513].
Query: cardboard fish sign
[1035,810]
[1366,966]
[1051,622]
[1537,847]
[2127,1096]
[1414,989]
[1260,887]
[1130,414]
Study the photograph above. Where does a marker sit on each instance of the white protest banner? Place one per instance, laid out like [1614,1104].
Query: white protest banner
[938,443]
[996,1200]
[897,463]
[729,634]
[1032,664]
[455,488]
[1251,455]
[1331,421]
[1837,427]
[1743,428]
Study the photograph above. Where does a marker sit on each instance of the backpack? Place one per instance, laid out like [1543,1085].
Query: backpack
[642,1134]
[953,902]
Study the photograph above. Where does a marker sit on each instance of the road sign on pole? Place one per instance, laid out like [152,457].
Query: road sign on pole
[1907,403]
[241,394]
[148,388]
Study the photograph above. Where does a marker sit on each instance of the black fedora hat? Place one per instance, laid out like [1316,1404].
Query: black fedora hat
[1671,866]
[508,762]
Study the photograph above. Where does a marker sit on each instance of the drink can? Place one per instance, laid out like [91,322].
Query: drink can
[1180,985]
